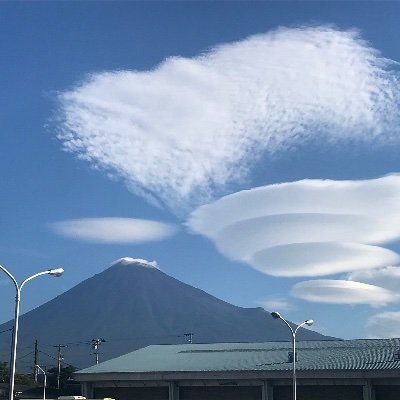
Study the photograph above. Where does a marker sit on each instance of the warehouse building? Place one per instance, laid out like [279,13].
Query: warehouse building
[330,370]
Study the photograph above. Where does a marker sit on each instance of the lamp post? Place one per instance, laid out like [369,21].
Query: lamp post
[53,272]
[45,380]
[307,322]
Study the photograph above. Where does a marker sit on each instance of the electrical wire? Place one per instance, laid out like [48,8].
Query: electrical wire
[78,343]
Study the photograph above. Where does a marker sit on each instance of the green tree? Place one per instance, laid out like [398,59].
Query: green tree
[4,372]
[66,373]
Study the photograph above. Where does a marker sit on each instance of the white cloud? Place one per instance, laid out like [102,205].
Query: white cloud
[180,132]
[129,261]
[361,206]
[387,277]
[343,292]
[384,325]
[275,304]
[306,228]
[316,259]
[114,230]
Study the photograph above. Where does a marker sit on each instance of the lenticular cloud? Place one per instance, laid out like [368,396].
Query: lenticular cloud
[343,292]
[114,230]
[179,133]
[306,228]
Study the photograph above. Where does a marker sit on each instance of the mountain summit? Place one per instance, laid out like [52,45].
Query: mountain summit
[129,261]
[133,304]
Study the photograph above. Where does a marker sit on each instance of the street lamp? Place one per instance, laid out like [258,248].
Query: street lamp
[307,322]
[53,272]
[45,380]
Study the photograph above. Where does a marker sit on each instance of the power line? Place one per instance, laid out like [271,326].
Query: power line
[55,358]
[31,352]
[82,342]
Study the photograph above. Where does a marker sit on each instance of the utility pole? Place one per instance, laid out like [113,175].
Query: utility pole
[35,368]
[60,358]
[189,337]
[95,343]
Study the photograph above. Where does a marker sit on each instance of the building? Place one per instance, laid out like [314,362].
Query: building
[330,370]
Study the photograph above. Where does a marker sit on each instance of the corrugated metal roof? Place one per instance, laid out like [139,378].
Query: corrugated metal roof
[364,354]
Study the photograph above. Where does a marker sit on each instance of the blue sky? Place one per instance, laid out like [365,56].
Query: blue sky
[143,112]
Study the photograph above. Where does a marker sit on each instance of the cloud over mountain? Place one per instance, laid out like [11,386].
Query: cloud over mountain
[179,133]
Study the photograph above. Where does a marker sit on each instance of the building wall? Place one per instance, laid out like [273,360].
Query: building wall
[320,392]
[334,392]
[389,392]
[220,393]
[275,389]
[133,393]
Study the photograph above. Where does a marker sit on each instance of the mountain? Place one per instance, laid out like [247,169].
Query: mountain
[133,304]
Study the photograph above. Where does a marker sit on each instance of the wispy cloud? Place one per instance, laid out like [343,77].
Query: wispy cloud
[384,325]
[114,230]
[179,133]
[275,304]
[306,228]
[343,292]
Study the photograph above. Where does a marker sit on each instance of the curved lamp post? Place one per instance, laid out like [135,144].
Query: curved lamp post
[307,322]
[45,380]
[53,272]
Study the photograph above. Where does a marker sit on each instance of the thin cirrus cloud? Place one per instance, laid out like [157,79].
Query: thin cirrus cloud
[384,325]
[343,292]
[308,227]
[180,133]
[114,230]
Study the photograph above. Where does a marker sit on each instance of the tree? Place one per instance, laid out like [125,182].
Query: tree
[66,374]
[4,372]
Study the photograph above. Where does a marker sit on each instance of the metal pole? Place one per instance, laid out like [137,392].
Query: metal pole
[14,342]
[18,288]
[44,386]
[35,371]
[59,360]
[95,343]
[58,366]
[294,365]
[97,354]
[308,322]
[45,380]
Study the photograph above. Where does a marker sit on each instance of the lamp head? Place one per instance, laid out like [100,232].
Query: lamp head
[275,315]
[309,322]
[56,272]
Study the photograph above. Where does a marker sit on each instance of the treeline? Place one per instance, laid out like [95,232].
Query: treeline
[66,376]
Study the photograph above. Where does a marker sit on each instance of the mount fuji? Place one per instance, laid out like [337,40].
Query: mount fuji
[133,304]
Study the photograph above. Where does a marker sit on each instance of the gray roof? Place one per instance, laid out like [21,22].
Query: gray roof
[364,354]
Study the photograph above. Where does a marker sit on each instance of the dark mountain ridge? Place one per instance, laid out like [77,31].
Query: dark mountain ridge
[133,304]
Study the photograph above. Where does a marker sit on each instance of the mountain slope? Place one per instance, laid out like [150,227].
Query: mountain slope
[133,304]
